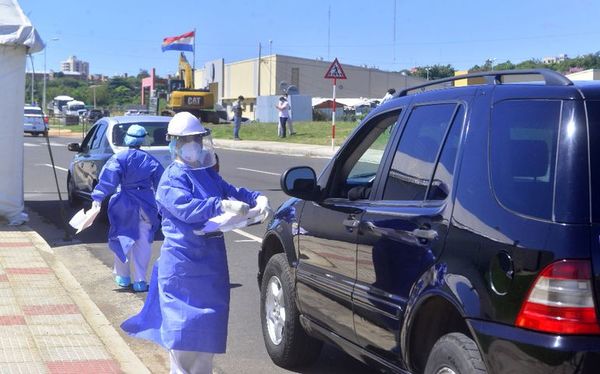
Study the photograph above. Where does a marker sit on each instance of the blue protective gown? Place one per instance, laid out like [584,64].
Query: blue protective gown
[187,307]
[132,176]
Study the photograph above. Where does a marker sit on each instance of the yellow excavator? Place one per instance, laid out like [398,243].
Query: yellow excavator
[184,98]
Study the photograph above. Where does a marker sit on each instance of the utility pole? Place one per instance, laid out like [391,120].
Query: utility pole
[259,58]
[394,33]
[32,77]
[328,31]
[270,67]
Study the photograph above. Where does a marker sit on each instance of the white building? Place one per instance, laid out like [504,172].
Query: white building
[72,64]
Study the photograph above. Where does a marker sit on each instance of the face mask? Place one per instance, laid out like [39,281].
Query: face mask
[191,152]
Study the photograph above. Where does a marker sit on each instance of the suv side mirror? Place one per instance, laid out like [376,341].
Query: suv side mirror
[74,147]
[300,182]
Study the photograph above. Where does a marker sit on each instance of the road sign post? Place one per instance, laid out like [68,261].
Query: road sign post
[334,72]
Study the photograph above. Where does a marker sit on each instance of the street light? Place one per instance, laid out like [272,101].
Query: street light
[93,87]
[44,108]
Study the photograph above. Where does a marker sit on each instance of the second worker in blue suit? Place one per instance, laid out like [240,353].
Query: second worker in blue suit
[131,177]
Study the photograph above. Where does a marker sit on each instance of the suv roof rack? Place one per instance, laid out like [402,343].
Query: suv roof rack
[551,77]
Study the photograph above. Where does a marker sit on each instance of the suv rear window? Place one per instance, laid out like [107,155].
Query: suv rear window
[157,133]
[523,142]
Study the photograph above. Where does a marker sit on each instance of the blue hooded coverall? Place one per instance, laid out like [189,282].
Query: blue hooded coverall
[187,307]
[134,175]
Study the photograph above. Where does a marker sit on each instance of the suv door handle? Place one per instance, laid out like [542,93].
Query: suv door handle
[425,234]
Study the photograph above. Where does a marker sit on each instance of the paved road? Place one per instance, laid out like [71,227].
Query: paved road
[89,260]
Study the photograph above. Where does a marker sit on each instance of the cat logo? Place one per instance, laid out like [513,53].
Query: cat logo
[193,100]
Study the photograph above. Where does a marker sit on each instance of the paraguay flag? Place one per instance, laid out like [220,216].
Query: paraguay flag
[183,42]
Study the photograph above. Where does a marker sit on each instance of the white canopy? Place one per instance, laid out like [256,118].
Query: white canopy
[17,38]
[16,29]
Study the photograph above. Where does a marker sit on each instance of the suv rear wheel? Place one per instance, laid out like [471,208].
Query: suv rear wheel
[286,341]
[455,353]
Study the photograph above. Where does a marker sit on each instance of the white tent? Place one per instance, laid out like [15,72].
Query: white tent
[17,39]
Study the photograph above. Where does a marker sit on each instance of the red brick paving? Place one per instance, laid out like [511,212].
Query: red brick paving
[3,278]
[39,310]
[27,270]
[12,320]
[15,244]
[84,367]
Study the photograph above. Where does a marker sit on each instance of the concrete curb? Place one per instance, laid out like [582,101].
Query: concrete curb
[111,339]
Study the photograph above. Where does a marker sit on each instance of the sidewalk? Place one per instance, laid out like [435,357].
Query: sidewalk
[48,324]
[289,149]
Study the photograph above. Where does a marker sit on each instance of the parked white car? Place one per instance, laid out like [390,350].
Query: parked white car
[35,122]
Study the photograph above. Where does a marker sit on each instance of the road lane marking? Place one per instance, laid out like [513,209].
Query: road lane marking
[245,241]
[30,145]
[247,235]
[57,167]
[260,171]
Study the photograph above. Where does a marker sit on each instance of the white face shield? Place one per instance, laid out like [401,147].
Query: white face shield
[197,151]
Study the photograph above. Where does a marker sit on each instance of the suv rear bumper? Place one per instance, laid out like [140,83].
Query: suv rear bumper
[508,349]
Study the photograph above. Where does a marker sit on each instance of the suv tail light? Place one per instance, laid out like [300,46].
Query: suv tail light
[561,300]
[46,120]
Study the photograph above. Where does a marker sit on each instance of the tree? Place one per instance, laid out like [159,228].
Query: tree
[435,71]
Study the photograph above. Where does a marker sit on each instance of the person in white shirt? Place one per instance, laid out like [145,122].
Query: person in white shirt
[389,94]
[284,113]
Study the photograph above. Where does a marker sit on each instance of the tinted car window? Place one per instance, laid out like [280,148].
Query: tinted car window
[87,141]
[417,150]
[523,141]
[444,170]
[157,133]
[98,136]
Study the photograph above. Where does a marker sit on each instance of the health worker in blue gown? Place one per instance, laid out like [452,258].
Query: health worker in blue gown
[131,177]
[187,307]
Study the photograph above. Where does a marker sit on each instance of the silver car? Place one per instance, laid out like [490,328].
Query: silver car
[34,122]
[105,139]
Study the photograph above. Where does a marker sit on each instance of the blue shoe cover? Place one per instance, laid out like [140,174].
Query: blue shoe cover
[122,281]
[140,286]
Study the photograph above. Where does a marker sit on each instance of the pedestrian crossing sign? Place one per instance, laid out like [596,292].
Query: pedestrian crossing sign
[335,71]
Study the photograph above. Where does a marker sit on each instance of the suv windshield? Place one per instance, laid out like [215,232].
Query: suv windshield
[157,133]
[34,111]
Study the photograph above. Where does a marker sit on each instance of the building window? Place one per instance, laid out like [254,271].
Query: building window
[296,77]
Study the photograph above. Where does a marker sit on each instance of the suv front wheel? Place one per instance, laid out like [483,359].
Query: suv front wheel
[286,341]
[455,353]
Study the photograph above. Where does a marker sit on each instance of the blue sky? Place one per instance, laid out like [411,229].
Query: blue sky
[124,36]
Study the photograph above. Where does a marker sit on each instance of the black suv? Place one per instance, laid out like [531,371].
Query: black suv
[455,231]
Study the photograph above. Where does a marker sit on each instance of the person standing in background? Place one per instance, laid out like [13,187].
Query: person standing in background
[284,113]
[238,108]
[290,122]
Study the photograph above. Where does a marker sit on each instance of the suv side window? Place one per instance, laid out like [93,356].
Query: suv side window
[415,157]
[523,142]
[444,169]
[358,171]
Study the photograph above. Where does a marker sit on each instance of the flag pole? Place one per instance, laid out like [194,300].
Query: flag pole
[194,53]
